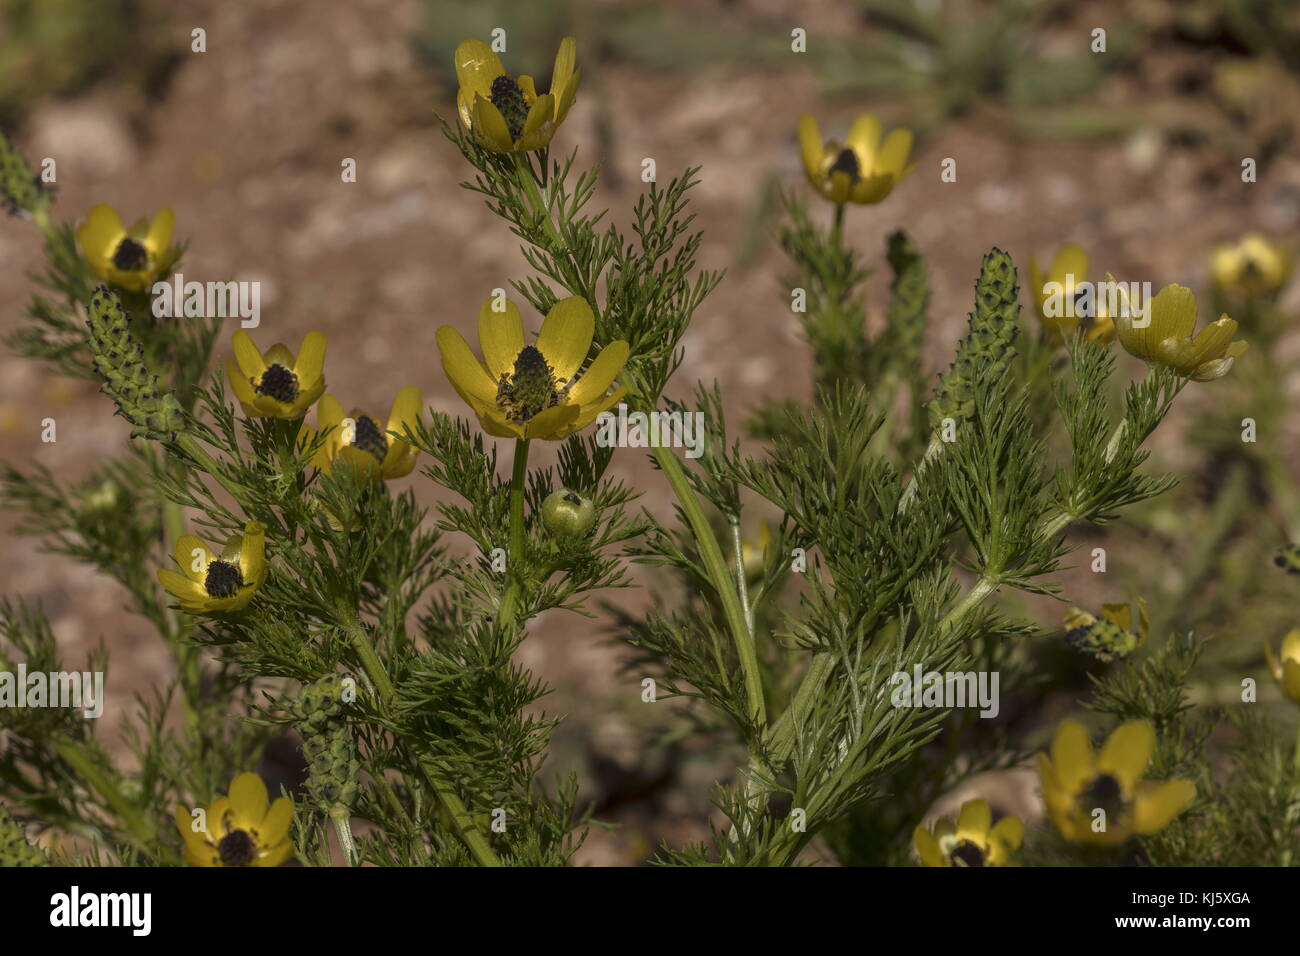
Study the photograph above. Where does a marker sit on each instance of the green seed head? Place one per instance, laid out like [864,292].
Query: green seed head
[567,514]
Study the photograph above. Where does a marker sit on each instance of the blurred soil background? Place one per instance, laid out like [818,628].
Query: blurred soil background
[1134,153]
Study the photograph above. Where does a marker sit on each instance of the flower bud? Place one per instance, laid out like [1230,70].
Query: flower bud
[567,514]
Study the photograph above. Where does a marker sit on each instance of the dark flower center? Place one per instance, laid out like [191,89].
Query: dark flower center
[130,255]
[237,849]
[369,437]
[847,162]
[509,99]
[1104,793]
[279,383]
[572,498]
[223,579]
[967,853]
[531,389]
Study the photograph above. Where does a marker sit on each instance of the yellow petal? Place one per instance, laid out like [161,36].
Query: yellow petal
[1121,615]
[490,126]
[1157,804]
[864,139]
[252,554]
[218,815]
[564,98]
[248,798]
[893,154]
[247,355]
[311,358]
[190,551]
[1072,756]
[501,337]
[275,855]
[1173,314]
[810,148]
[1291,679]
[565,337]
[276,823]
[1009,831]
[160,232]
[399,460]
[588,412]
[1127,752]
[240,385]
[464,371]
[927,847]
[551,423]
[100,234]
[1291,645]
[1070,263]
[477,65]
[600,374]
[565,58]
[974,820]
[542,111]
[181,586]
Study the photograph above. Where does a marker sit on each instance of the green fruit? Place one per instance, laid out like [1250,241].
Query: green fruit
[567,514]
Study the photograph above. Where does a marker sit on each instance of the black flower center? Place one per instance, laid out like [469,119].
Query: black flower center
[1104,793]
[847,162]
[279,383]
[369,437]
[237,849]
[223,579]
[532,388]
[967,853]
[509,99]
[130,256]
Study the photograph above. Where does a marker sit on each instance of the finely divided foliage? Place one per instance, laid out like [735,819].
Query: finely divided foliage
[385,637]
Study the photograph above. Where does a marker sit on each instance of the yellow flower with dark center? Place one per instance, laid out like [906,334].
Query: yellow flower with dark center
[1064,301]
[974,841]
[275,383]
[129,259]
[206,582]
[365,443]
[242,829]
[1102,798]
[533,391]
[1161,333]
[1285,667]
[863,170]
[505,113]
[1253,266]
[1110,637]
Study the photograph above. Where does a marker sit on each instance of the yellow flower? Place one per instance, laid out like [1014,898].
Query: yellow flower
[1112,636]
[974,841]
[1062,302]
[274,384]
[1251,267]
[1286,666]
[365,444]
[209,583]
[861,171]
[505,113]
[127,259]
[1102,798]
[1161,333]
[533,391]
[242,829]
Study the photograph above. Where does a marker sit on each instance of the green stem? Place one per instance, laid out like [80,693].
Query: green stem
[343,830]
[716,568]
[465,826]
[139,830]
[742,584]
[518,540]
[837,228]
[524,174]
